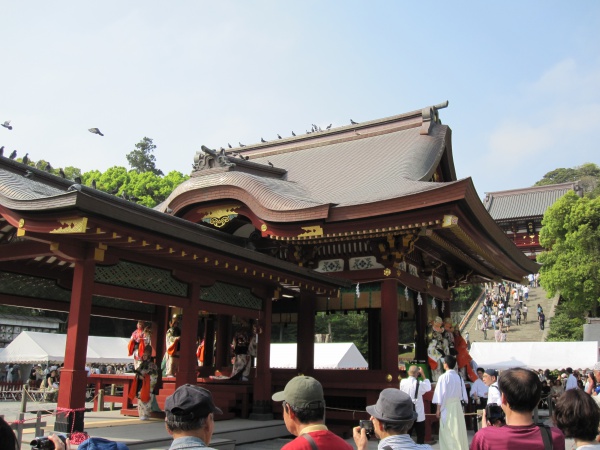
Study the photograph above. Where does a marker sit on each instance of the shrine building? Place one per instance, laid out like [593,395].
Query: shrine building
[368,218]
[519,212]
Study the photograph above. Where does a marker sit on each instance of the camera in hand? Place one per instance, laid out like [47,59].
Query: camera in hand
[42,442]
[368,426]
[494,413]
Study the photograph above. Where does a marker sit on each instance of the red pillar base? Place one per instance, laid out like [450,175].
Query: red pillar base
[69,422]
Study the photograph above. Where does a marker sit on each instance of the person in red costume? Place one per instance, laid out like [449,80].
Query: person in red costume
[137,344]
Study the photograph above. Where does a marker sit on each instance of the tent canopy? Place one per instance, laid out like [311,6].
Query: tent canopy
[31,347]
[343,355]
[535,355]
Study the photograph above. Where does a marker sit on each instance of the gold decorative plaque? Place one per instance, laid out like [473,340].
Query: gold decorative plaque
[73,225]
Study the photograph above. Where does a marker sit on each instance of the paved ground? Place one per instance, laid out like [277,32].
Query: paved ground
[526,332]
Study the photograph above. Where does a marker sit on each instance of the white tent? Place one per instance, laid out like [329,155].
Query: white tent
[535,355]
[343,355]
[31,347]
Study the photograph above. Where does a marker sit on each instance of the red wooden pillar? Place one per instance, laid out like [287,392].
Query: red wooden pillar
[73,377]
[188,364]
[389,328]
[159,331]
[305,359]
[261,403]
[223,350]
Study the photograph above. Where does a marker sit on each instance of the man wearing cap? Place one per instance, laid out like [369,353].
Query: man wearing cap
[393,416]
[490,378]
[449,392]
[415,389]
[189,417]
[304,416]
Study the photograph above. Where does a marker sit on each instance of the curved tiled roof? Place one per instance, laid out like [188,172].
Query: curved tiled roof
[525,203]
[17,187]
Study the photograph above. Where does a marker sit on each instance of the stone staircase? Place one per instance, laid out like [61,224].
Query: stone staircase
[526,332]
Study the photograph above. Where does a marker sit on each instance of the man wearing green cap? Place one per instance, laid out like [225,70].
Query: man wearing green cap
[304,416]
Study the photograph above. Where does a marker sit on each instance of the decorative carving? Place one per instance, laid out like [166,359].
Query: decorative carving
[311,231]
[220,217]
[72,225]
[330,265]
[207,158]
[449,221]
[363,263]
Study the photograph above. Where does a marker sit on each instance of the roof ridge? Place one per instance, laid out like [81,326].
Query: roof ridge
[546,187]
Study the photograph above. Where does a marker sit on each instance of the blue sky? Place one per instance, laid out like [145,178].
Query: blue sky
[522,78]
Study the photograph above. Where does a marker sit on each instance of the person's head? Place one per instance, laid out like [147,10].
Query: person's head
[521,389]
[569,370]
[147,353]
[450,361]
[490,376]
[413,371]
[303,403]
[577,415]
[140,325]
[393,413]
[8,440]
[189,412]
[480,372]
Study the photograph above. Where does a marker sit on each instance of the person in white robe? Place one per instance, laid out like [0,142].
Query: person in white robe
[449,394]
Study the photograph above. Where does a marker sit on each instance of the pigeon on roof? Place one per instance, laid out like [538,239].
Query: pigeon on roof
[77,180]
[270,163]
[329,126]
[353,122]
[293,134]
[94,184]
[2,151]
[13,155]
[229,145]
[25,159]
[95,131]
[241,145]
[28,174]
[262,140]
[48,167]
[62,173]
[278,136]
[7,124]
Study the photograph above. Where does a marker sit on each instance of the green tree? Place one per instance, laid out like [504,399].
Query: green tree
[142,158]
[566,325]
[571,236]
[588,174]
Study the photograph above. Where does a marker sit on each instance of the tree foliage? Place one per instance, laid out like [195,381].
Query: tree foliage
[571,236]
[588,174]
[566,325]
[142,158]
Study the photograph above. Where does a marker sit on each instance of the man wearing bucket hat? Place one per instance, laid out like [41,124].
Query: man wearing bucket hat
[189,417]
[393,416]
[304,416]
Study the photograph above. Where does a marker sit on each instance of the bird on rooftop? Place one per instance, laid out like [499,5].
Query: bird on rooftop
[94,184]
[77,180]
[114,191]
[48,167]
[353,122]
[28,174]
[95,131]
[229,145]
[278,136]
[124,195]
[270,163]
[262,140]
[62,173]
[7,124]
[293,134]
[13,155]
[329,127]
[2,151]
[222,150]
[25,159]
[241,145]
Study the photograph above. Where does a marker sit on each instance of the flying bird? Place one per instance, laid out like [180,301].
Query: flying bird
[13,155]
[241,145]
[95,131]
[353,122]
[62,173]
[262,140]
[293,134]
[229,145]
[278,136]
[329,127]
[7,124]
[25,159]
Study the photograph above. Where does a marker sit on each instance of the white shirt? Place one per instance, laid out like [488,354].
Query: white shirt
[480,388]
[449,386]
[571,382]
[494,394]
[409,385]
